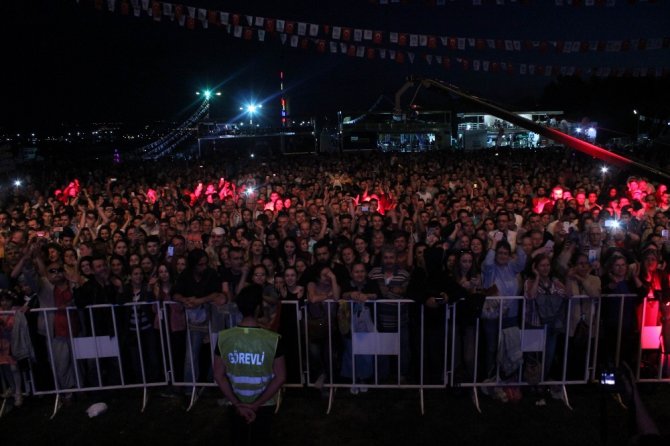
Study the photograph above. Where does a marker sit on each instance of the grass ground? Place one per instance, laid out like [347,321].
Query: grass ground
[379,417]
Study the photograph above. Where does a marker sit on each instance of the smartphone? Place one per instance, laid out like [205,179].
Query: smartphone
[593,255]
[40,233]
[664,234]
[170,251]
[549,245]
[365,208]
[112,179]
[611,224]
[566,226]
[608,378]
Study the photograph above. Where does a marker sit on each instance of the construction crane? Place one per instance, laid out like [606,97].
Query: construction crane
[548,132]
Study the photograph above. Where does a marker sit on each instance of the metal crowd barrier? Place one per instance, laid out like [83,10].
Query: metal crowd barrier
[97,361]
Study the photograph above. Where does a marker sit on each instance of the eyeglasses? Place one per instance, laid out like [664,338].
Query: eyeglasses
[56,270]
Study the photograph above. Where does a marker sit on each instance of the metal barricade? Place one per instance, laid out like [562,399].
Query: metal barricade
[377,340]
[516,339]
[93,359]
[654,315]
[374,335]
[195,339]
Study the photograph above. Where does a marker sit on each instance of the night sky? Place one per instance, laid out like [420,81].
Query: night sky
[65,62]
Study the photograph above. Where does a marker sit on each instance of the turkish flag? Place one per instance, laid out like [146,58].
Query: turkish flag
[213,17]
[178,11]
[351,51]
[270,25]
[190,22]
[321,46]
[235,20]
[452,43]
[400,57]
[156,10]
[370,52]
[377,37]
[432,42]
[402,39]
[289,28]
[346,34]
[248,33]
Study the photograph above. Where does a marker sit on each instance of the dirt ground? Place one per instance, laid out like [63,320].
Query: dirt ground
[378,417]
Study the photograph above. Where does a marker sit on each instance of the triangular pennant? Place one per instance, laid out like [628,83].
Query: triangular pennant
[294,41]
[224,18]
[258,23]
[302,28]
[280,25]
[261,35]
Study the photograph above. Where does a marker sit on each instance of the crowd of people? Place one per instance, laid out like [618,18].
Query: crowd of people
[437,228]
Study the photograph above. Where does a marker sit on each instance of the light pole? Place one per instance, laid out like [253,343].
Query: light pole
[206,94]
[251,109]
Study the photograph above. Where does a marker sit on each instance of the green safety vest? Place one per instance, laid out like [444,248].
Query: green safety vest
[248,354]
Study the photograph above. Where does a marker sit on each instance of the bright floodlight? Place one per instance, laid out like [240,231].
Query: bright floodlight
[208,94]
[579,130]
[635,112]
[17,183]
[604,169]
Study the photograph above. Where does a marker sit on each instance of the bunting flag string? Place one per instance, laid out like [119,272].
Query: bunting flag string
[558,3]
[369,44]
[379,37]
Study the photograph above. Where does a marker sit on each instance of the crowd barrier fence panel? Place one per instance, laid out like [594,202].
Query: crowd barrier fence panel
[379,344]
[87,351]
[531,339]
[197,384]
[651,340]
[95,347]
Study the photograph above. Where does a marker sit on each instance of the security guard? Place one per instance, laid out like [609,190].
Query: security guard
[249,369]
